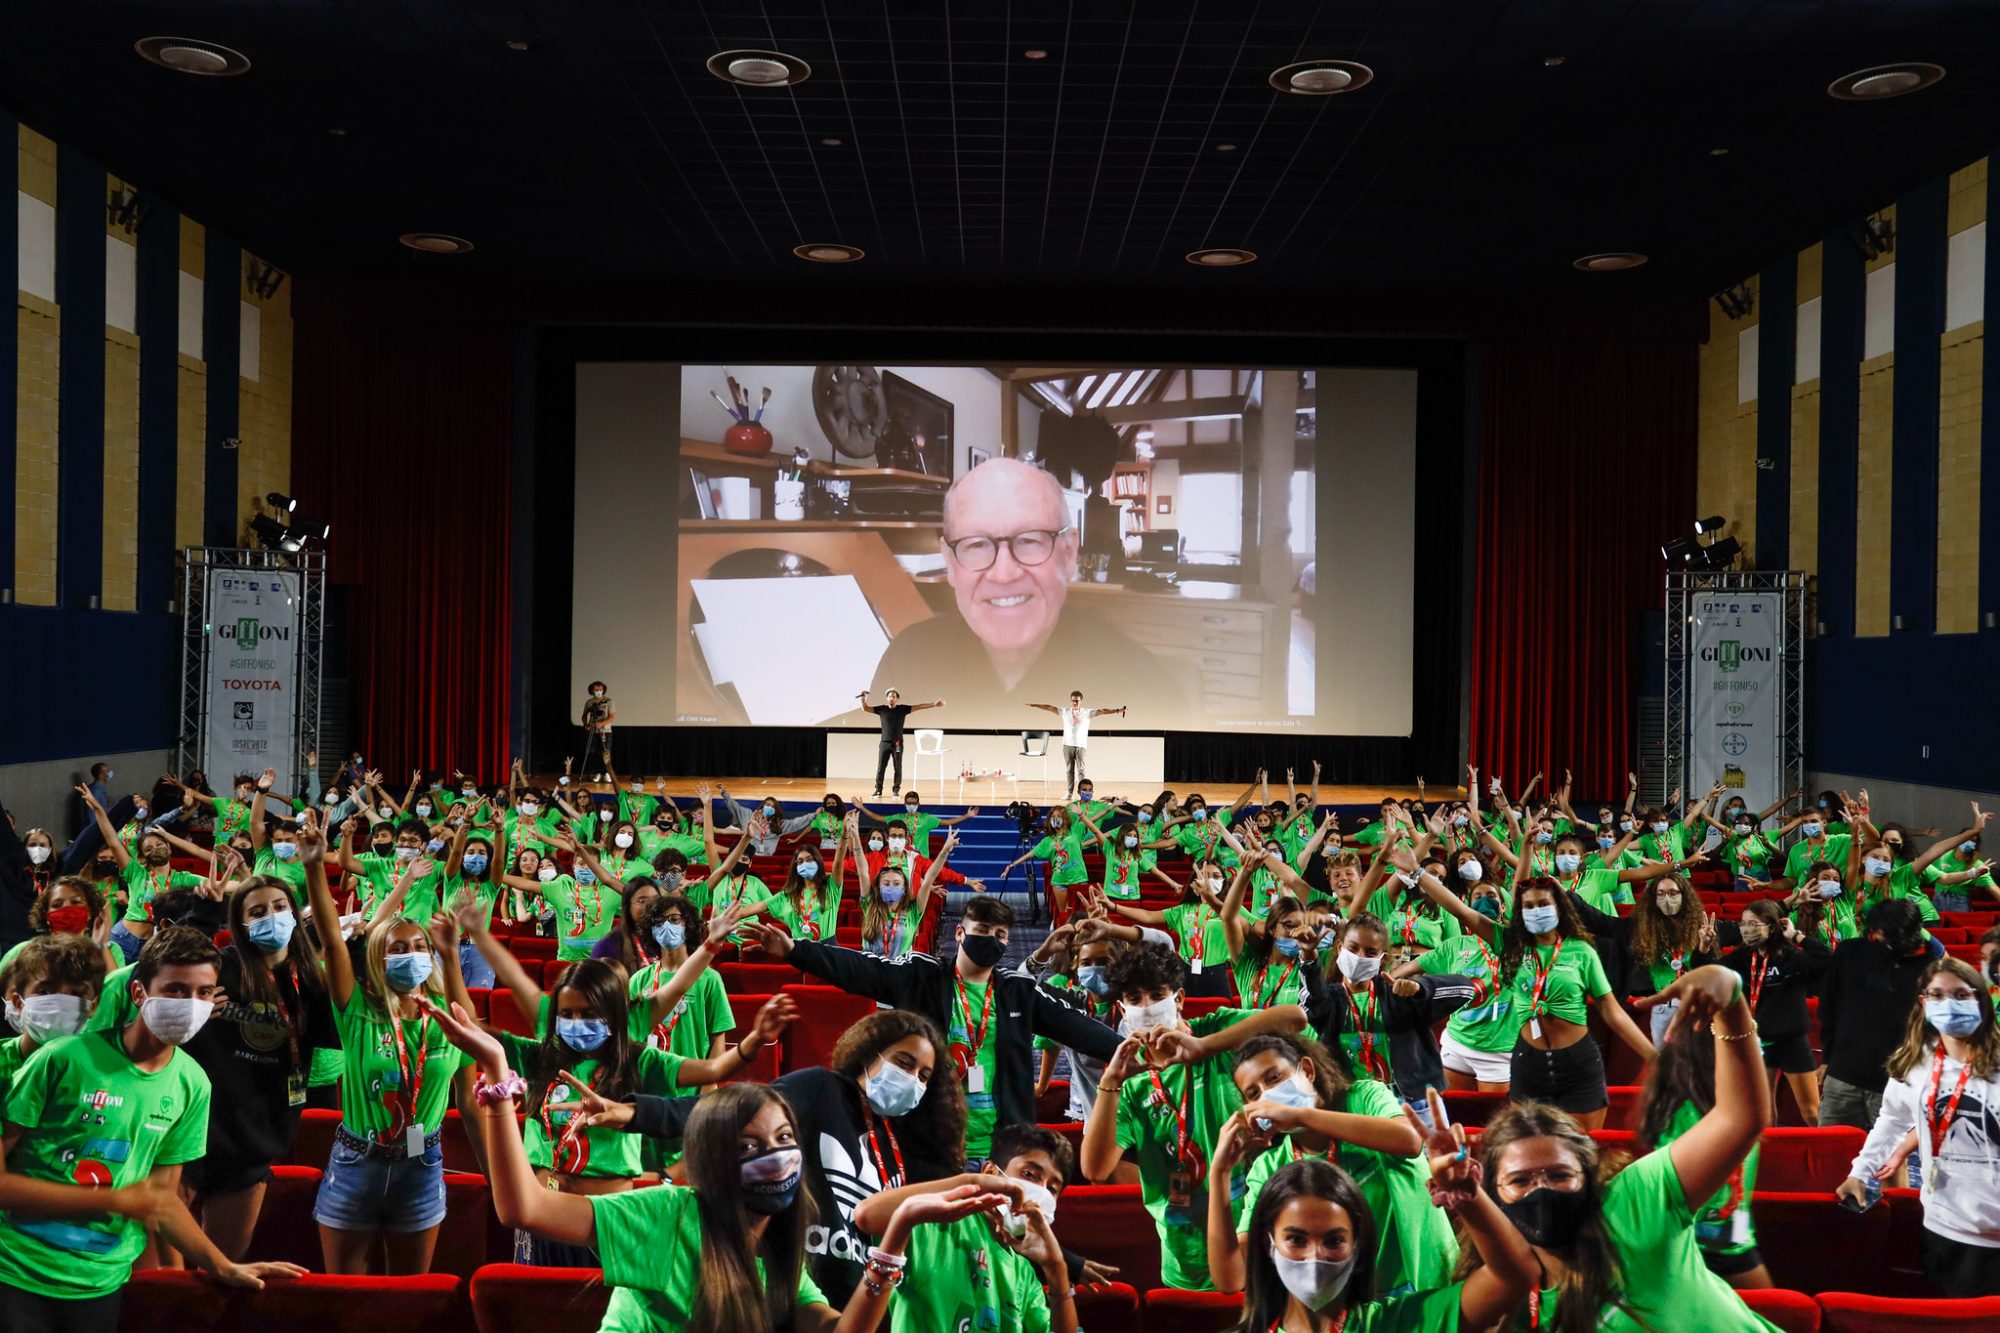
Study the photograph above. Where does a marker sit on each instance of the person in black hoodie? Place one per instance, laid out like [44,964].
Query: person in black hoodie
[990,1017]
[1864,1007]
[1780,965]
[1381,1027]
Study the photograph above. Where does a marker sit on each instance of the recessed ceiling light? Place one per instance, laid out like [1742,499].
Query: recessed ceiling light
[827,252]
[1225,148]
[1223,257]
[1034,53]
[759,69]
[191,55]
[436,242]
[1718,152]
[1321,78]
[1550,62]
[1610,261]
[1879,82]
[518,45]
[830,143]
[338,132]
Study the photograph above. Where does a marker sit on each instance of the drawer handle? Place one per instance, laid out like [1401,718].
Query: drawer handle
[1213,661]
[1215,620]
[1215,641]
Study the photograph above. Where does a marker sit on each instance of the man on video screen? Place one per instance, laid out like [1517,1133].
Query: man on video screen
[1010,553]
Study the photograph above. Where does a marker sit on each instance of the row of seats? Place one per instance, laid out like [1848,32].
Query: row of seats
[507,1298]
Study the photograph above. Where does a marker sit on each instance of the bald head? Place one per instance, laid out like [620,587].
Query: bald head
[1003,497]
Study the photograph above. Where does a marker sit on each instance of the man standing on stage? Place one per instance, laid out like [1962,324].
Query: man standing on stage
[893,715]
[598,715]
[1076,734]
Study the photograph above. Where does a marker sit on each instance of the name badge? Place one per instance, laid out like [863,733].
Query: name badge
[975,1079]
[295,1089]
[413,1139]
[1195,967]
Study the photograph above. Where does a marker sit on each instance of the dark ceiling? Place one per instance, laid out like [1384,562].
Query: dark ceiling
[607,149]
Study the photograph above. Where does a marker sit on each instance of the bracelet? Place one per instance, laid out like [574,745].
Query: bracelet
[1720,1035]
[1105,1086]
[743,1055]
[508,1089]
[877,1257]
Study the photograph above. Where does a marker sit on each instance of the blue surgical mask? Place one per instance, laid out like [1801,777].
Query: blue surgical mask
[1540,920]
[585,875]
[407,971]
[1544,838]
[1605,843]
[893,1090]
[1198,813]
[1091,977]
[272,933]
[284,851]
[893,893]
[1967,848]
[583,1034]
[1954,1018]
[1287,946]
[1567,863]
[475,863]
[1294,1092]
[808,870]
[434,846]
[424,809]
[670,934]
[1659,826]
[1875,866]
[1812,828]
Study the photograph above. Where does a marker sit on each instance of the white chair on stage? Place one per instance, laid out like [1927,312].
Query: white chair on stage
[930,741]
[1034,745]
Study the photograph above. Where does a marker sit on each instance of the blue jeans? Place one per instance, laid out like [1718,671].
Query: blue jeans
[394,1195]
[128,943]
[478,972]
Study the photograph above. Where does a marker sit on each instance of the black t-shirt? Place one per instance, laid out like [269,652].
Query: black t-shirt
[893,717]
[247,1055]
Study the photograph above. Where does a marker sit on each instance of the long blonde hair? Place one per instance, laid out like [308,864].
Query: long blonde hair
[375,969]
[1920,1036]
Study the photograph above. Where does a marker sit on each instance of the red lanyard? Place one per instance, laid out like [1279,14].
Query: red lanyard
[1677,960]
[1409,931]
[1759,965]
[1542,971]
[285,1012]
[1264,999]
[412,1071]
[975,1037]
[889,1182]
[1940,1128]
[1184,1152]
[1490,982]
[1364,1014]
[1735,1199]
[567,1153]
[808,910]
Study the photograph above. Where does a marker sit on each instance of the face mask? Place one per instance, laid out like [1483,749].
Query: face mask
[273,932]
[1875,866]
[1954,1018]
[1016,1224]
[1540,920]
[771,1180]
[671,880]
[1294,1092]
[468,793]
[1624,826]
[1567,863]
[1145,816]
[1605,844]
[1745,830]
[1085,796]
[386,813]
[69,920]
[1460,821]
[174,1021]
[545,874]
[243,793]
[407,971]
[670,934]
[1755,932]
[1198,813]
[424,809]
[530,809]
[1357,968]
[1964,849]
[1544,838]
[475,863]
[583,1034]
[284,851]
[1669,904]
[1287,946]
[1091,977]
[1549,1218]
[638,789]
[622,841]
[585,875]
[1812,828]
[1487,907]
[808,870]
[1829,888]
[1472,872]
[434,846]
[874,844]
[407,853]
[898,844]
[893,893]
[46,1017]
[1131,841]
[1659,826]
[1316,1283]
[892,1090]
[910,806]
[597,694]
[983,950]
[770,812]
[1145,1017]
[38,855]
[140,812]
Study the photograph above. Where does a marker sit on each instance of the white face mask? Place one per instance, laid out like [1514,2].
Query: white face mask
[1316,1283]
[1472,872]
[38,855]
[1357,968]
[46,1017]
[175,1020]
[1145,1017]
[1017,1225]
[623,840]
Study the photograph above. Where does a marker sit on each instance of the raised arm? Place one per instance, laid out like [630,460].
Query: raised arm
[1475,923]
[1939,848]
[110,834]
[1232,909]
[326,915]
[1705,1156]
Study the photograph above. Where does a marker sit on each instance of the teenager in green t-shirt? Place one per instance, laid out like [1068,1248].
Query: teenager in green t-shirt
[95,1126]
[1641,1267]
[1062,847]
[1299,1106]
[1196,923]
[145,876]
[1679,1091]
[916,819]
[808,902]
[988,1272]
[51,984]
[1164,1097]
[743,1156]
[696,1025]
[1122,861]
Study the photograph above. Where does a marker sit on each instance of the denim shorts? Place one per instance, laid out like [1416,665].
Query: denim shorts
[398,1196]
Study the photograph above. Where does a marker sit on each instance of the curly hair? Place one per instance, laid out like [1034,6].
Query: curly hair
[938,1121]
[1654,933]
[1518,941]
[38,915]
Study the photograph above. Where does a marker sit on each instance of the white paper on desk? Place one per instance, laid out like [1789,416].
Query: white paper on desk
[797,649]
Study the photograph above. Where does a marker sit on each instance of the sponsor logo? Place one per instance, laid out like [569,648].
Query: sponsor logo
[250,629]
[1730,655]
[252,683]
[1734,744]
[1734,709]
[245,710]
[102,1098]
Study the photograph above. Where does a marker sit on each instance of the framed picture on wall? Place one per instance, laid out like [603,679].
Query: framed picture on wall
[974,457]
[1164,505]
[926,420]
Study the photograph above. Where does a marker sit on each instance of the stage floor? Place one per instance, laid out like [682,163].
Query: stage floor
[998,792]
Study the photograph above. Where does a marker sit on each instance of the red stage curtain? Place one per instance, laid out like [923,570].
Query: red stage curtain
[1587,463]
[402,438]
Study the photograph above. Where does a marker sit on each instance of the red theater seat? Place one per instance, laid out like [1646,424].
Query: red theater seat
[825,1013]
[313,1145]
[1071,1130]
[1847,1312]
[1170,1311]
[1054,1103]
[512,1298]
[758,978]
[531,946]
[286,1231]
[1902,1261]
[1473,1109]
[312,1304]
[167,1298]
[1791,1311]
[1109,1224]
[1110,1308]
[1807,1238]
[1200,1006]
[1805,1159]
[471,1234]
[506,1016]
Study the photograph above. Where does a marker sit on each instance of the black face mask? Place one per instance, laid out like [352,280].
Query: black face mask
[1550,1218]
[983,950]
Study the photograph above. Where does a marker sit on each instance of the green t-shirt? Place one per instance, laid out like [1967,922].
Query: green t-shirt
[1122,869]
[964,1278]
[1837,921]
[1950,864]
[624,868]
[1204,1096]
[1723,1224]
[981,1114]
[649,1241]
[1627,860]
[1201,839]
[1800,858]
[1666,1285]
[814,914]
[691,1026]
[1673,845]
[585,914]
[826,827]
[1575,978]
[231,818]
[291,872]
[114,1003]
[378,880]
[1415,1244]
[1272,980]
[652,842]
[1488,1025]
[11,1060]
[374,1104]
[1202,938]
[920,826]
[1902,881]
[1415,927]
[1599,888]
[608,1153]
[1747,857]
[144,883]
[1149,831]
[728,891]
[485,893]
[1065,857]
[92,1117]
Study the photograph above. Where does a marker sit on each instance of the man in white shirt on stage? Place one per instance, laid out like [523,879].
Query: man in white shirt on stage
[1076,734]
